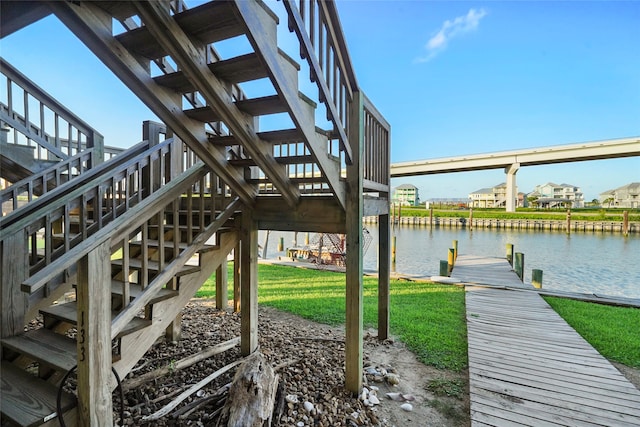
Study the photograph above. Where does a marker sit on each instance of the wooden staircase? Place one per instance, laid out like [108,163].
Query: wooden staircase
[145,234]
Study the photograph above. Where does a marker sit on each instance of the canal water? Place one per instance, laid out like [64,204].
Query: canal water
[600,263]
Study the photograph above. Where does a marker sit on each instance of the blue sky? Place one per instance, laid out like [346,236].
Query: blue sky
[451,77]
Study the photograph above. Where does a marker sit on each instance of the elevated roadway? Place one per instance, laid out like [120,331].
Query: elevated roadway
[511,161]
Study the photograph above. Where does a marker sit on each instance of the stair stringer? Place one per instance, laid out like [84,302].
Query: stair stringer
[165,312]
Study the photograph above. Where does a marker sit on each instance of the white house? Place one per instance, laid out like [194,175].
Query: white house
[406,195]
[552,195]
[627,196]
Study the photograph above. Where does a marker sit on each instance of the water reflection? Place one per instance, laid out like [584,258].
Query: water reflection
[600,263]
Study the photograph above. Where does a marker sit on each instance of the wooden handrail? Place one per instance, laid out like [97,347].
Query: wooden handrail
[93,138]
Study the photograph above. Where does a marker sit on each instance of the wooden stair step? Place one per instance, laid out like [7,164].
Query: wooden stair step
[271,104]
[136,264]
[169,245]
[240,69]
[27,400]
[275,136]
[67,312]
[211,22]
[135,290]
[46,347]
[287,160]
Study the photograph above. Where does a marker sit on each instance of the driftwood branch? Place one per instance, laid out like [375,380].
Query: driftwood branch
[170,406]
[188,361]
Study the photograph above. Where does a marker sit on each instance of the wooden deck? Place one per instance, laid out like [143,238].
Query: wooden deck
[527,366]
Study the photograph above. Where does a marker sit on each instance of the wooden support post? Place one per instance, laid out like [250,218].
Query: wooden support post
[471,219]
[393,250]
[536,278]
[451,260]
[455,249]
[249,284]
[354,211]
[15,270]
[568,221]
[222,282]
[236,277]
[430,217]
[281,244]
[384,271]
[510,253]
[94,338]
[306,239]
[625,223]
[444,268]
[519,265]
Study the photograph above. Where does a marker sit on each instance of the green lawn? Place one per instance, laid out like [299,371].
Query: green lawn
[613,331]
[429,318]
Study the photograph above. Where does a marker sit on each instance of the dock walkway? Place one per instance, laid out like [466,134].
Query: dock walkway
[527,366]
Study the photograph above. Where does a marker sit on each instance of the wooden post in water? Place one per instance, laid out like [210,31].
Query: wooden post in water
[399,213]
[625,223]
[430,217]
[444,268]
[393,250]
[536,278]
[568,221]
[510,253]
[519,265]
[471,219]
[451,259]
[455,249]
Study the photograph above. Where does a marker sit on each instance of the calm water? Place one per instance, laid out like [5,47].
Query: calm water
[600,263]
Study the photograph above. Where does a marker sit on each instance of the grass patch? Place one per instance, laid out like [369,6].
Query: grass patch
[428,318]
[444,387]
[610,330]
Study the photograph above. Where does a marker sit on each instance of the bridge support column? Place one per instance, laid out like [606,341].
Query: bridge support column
[512,189]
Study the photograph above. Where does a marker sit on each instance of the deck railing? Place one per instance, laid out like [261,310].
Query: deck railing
[38,120]
[322,44]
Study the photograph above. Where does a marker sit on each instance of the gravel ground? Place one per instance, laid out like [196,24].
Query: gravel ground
[309,359]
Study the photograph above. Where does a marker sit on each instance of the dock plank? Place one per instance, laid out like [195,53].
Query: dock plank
[527,366]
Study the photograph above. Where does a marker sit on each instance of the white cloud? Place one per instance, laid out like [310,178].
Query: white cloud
[451,29]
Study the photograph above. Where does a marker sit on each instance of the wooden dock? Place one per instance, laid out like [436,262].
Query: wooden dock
[527,366]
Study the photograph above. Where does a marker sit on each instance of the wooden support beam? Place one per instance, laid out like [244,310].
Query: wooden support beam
[249,284]
[354,292]
[94,338]
[384,272]
[15,269]
[236,278]
[192,61]
[222,277]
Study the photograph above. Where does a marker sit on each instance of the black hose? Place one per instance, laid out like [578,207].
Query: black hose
[66,377]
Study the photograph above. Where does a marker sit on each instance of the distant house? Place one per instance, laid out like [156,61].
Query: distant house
[494,197]
[627,196]
[406,195]
[552,195]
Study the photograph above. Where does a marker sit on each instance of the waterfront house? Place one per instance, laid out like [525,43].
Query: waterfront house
[406,195]
[627,196]
[494,197]
[552,195]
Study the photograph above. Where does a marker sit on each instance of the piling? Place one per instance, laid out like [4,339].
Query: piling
[451,259]
[625,223]
[393,250]
[306,239]
[470,219]
[455,249]
[519,265]
[281,244]
[536,278]
[430,217]
[444,268]
[568,221]
[510,253]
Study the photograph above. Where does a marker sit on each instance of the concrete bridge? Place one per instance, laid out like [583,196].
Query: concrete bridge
[512,161]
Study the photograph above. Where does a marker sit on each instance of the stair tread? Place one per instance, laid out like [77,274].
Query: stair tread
[169,244]
[67,312]
[275,136]
[271,104]
[210,22]
[135,290]
[45,346]
[27,400]
[240,69]
[155,266]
